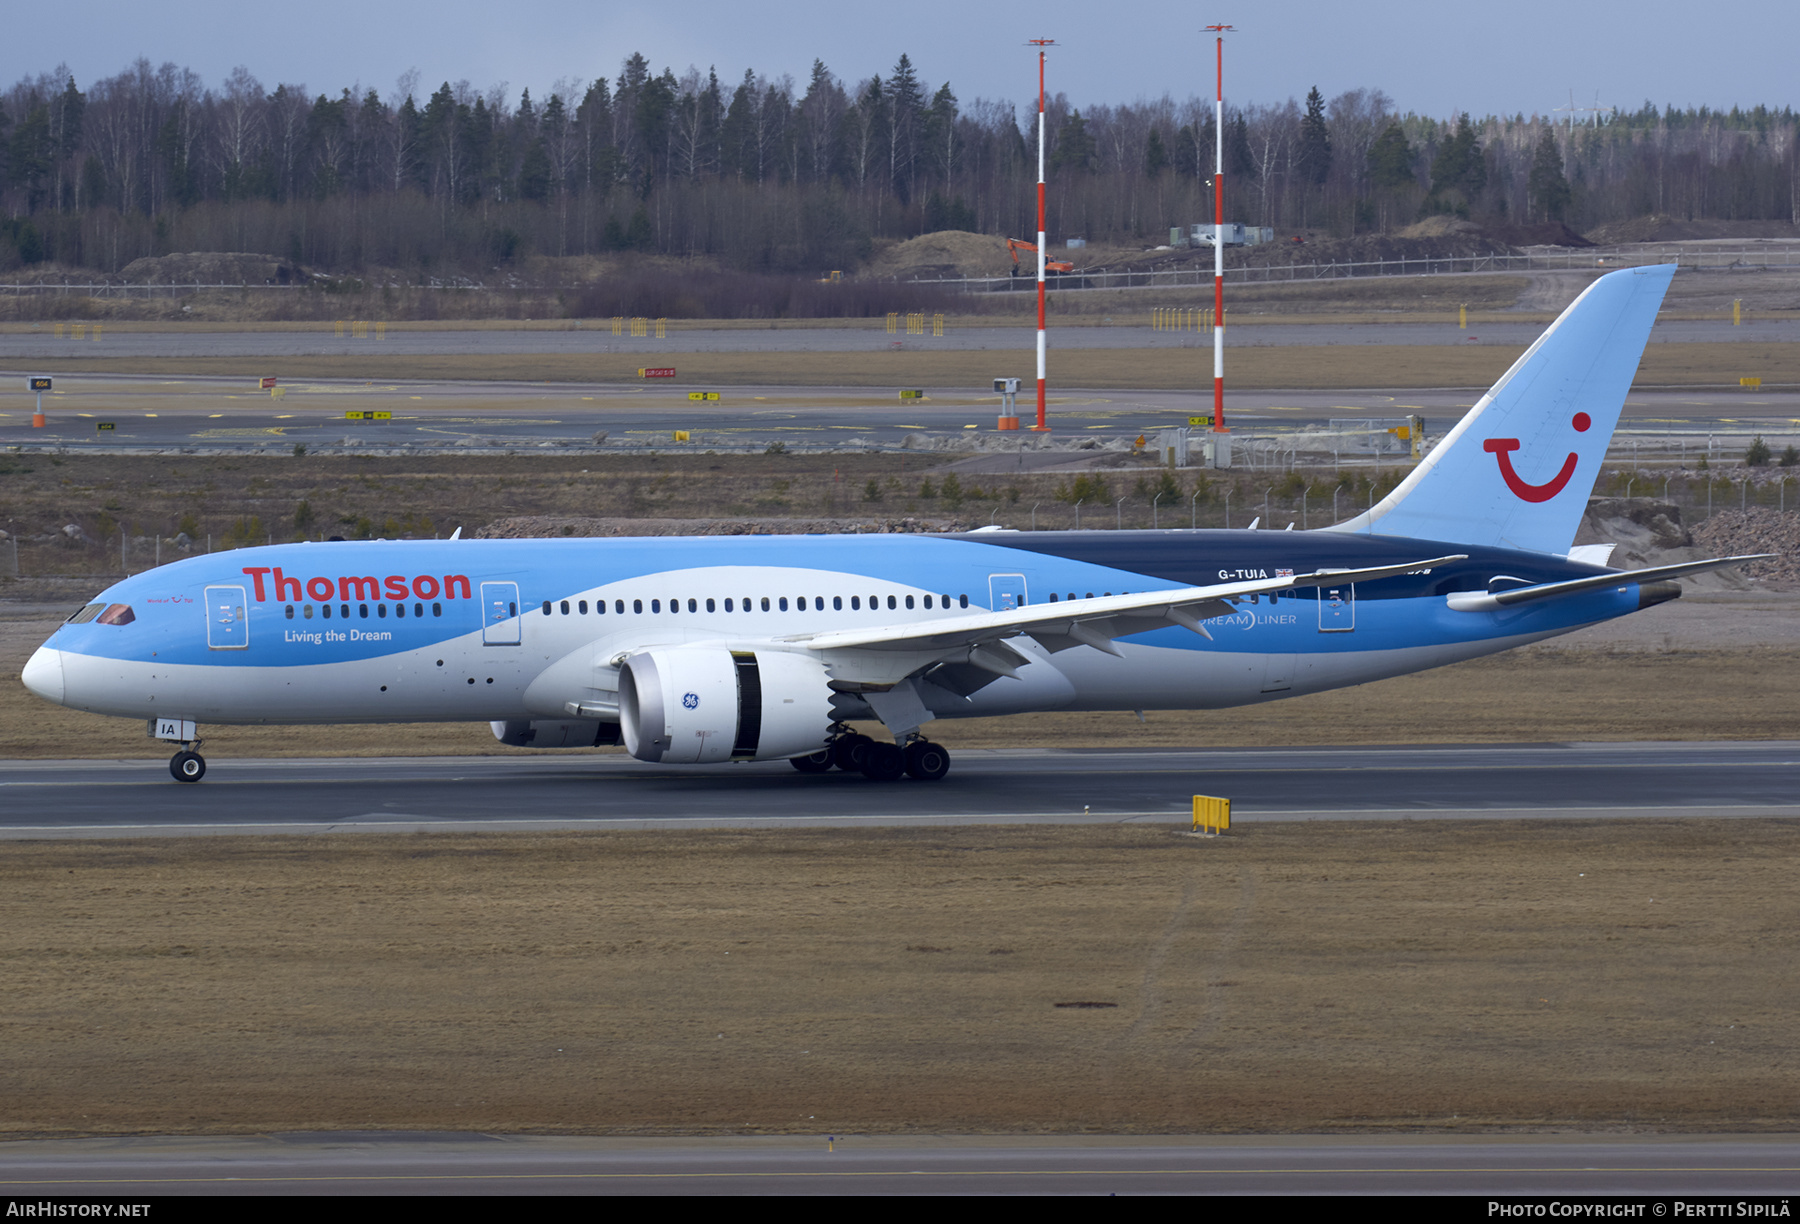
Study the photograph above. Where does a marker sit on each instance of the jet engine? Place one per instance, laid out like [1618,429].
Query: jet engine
[698,705]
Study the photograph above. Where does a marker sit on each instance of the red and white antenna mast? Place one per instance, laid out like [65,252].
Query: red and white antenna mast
[1219,238]
[1040,44]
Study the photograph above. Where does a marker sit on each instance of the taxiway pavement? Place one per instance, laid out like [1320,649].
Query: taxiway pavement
[392,1163]
[41,799]
[216,414]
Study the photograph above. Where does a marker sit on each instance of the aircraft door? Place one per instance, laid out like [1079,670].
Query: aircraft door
[1006,591]
[1337,608]
[227,618]
[500,614]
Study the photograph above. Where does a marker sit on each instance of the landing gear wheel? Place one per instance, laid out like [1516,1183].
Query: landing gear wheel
[927,761]
[849,752]
[813,762]
[187,766]
[883,762]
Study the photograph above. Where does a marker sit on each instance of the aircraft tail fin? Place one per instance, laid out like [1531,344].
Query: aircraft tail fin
[1517,470]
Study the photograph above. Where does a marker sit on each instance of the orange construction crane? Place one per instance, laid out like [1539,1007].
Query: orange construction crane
[1052,267]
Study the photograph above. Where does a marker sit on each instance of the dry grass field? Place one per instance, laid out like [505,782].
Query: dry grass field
[1310,977]
[1289,367]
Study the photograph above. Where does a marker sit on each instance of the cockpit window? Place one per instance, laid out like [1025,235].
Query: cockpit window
[117,614]
[84,615]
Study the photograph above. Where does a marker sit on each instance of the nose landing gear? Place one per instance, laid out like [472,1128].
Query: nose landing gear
[187,765]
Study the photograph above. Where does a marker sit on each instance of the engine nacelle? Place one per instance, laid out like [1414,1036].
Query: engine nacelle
[702,704]
[556,733]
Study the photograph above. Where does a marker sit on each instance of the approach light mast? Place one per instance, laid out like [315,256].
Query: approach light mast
[1218,237]
[1040,44]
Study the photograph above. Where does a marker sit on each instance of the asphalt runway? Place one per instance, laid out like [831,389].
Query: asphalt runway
[595,336]
[471,1164]
[214,414]
[1018,786]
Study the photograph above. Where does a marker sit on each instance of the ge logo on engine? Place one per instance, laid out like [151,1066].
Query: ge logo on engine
[691,701]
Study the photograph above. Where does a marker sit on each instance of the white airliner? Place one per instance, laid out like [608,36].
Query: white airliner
[706,650]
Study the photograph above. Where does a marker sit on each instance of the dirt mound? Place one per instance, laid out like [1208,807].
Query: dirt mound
[1651,533]
[212,268]
[947,253]
[1440,226]
[1659,227]
[1542,233]
[1736,533]
[1365,248]
[1637,526]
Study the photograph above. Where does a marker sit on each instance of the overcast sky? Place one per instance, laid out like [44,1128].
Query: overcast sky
[1437,59]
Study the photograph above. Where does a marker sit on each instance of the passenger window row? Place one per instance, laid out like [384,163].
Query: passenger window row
[778,603]
[362,611]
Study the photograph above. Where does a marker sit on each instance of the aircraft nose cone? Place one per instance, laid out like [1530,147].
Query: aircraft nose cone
[43,675]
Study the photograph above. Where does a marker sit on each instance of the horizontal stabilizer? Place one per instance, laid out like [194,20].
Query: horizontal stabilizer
[1483,601]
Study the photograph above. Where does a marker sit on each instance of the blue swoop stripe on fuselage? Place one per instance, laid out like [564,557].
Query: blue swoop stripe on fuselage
[169,602]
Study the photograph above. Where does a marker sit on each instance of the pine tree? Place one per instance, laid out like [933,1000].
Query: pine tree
[905,111]
[1240,162]
[865,127]
[1458,173]
[595,119]
[1391,160]
[1156,157]
[737,131]
[1074,146]
[1548,189]
[940,133]
[821,121]
[1315,141]
[534,172]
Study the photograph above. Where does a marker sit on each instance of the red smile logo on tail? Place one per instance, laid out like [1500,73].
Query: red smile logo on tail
[1502,448]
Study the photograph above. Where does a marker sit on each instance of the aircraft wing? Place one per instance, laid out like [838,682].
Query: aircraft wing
[883,655]
[1484,601]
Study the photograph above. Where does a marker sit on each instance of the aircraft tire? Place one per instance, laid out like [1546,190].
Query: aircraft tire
[849,752]
[883,762]
[813,762]
[187,766]
[927,761]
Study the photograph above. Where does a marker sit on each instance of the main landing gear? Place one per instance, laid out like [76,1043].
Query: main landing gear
[188,765]
[880,762]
